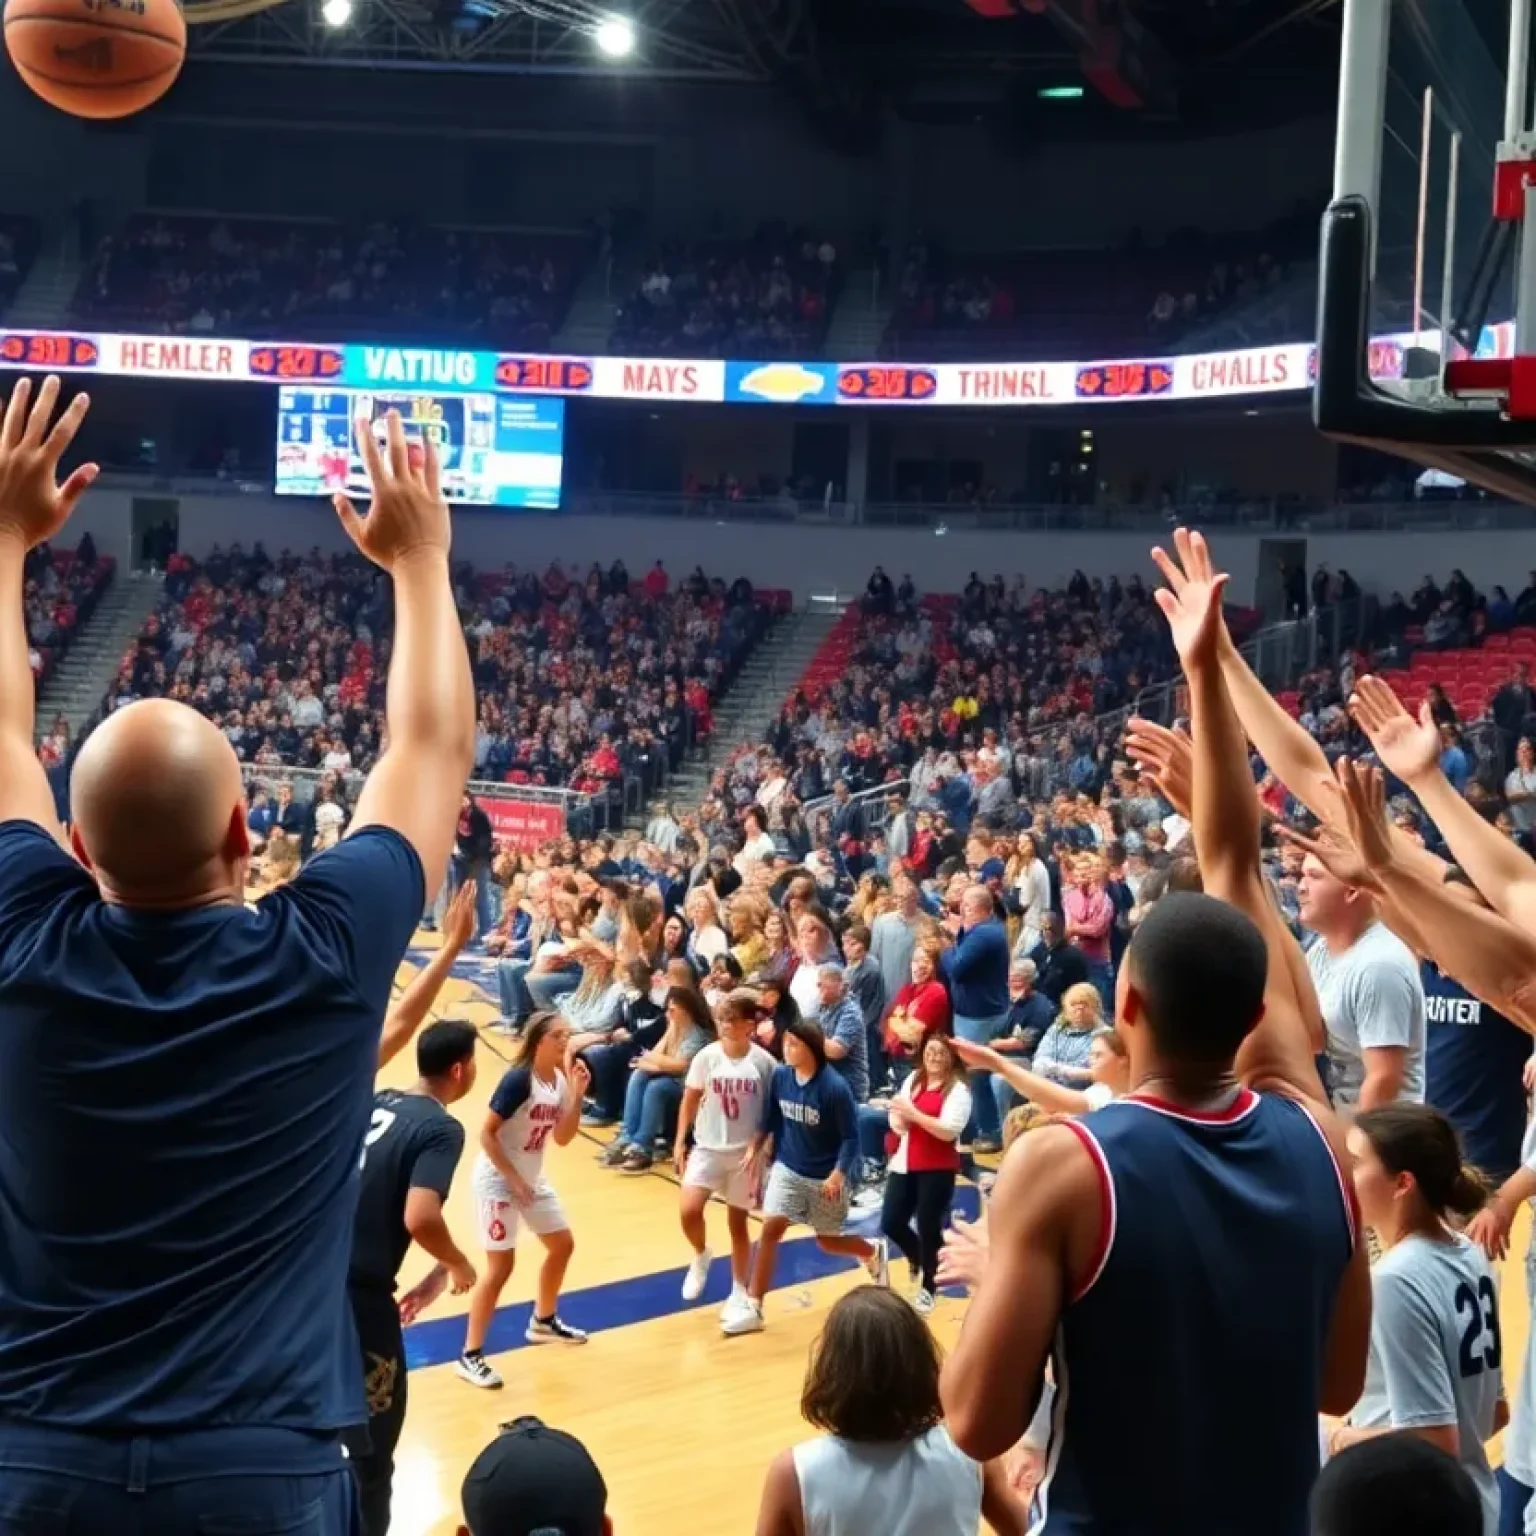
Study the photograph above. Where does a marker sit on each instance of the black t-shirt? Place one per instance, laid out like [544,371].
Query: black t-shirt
[412,1143]
[183,1098]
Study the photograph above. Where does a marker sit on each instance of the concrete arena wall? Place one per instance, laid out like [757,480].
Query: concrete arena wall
[809,559]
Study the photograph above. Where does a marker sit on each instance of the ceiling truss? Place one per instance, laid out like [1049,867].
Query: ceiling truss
[727,41]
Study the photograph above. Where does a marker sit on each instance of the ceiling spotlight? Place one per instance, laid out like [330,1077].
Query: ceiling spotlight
[615,36]
[336,13]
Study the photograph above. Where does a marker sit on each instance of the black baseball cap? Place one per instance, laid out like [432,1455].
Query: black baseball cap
[532,1478]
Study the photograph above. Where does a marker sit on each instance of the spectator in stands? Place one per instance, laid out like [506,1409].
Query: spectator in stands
[976,969]
[656,1082]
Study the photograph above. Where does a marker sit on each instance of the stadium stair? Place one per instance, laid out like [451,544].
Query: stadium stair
[754,700]
[77,688]
[859,319]
[47,292]
[589,321]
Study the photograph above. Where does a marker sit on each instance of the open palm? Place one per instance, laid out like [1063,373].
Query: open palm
[1409,748]
[1191,602]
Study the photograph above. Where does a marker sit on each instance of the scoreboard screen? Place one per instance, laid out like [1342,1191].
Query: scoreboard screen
[495,450]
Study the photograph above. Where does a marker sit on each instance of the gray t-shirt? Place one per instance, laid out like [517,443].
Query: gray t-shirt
[1522,812]
[1370,995]
[1435,1350]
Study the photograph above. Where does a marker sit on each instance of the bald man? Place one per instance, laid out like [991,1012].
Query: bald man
[185,1082]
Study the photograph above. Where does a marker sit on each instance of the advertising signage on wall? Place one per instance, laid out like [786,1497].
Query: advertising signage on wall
[1249,371]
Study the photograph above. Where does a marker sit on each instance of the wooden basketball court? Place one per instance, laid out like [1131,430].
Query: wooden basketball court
[682,1420]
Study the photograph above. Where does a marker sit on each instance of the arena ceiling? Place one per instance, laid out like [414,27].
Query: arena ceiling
[1184,66]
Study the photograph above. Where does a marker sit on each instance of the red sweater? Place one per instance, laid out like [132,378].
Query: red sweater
[927,1153]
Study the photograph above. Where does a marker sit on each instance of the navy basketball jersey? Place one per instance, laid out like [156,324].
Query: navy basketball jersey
[1473,1061]
[1188,1368]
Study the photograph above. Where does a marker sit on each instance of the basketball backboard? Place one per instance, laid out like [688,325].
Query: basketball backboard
[1427,280]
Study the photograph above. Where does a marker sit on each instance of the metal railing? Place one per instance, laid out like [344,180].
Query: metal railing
[1286,516]
[876,811]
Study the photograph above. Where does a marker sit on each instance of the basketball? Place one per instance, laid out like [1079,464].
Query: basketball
[96,58]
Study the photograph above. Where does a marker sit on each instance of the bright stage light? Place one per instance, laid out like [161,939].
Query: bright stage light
[615,36]
[336,13]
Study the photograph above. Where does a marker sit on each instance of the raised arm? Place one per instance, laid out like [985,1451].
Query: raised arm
[33,507]
[415,1003]
[1410,748]
[429,709]
[1493,958]
[1053,1098]
[1279,1053]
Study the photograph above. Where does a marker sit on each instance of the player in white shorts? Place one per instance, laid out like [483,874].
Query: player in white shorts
[723,1098]
[533,1102]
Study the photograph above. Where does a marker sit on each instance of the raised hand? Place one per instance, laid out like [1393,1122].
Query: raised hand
[1167,758]
[1409,747]
[33,506]
[1336,853]
[1365,808]
[1191,601]
[459,919]
[408,512]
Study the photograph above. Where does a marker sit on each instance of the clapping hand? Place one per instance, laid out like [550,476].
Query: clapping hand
[33,506]
[963,1258]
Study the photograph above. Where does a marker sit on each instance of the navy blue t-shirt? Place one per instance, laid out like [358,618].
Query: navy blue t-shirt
[1473,1060]
[183,1101]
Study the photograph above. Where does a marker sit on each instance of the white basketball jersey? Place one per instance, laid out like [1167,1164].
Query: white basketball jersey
[734,1093]
[530,1108]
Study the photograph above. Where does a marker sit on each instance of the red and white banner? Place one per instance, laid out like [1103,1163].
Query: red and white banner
[524,824]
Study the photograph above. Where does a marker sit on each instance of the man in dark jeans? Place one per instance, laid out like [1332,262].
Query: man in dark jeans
[411,1150]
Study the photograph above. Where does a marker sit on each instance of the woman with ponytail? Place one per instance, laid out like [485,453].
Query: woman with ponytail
[1436,1361]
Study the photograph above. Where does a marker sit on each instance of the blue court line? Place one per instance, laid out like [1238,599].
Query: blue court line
[643,1298]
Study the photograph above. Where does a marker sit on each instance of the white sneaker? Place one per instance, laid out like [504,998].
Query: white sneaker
[746,1318]
[922,1303]
[698,1275]
[474,1368]
[734,1302]
[878,1263]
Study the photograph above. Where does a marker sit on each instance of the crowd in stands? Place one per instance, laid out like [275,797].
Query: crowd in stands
[1078,304]
[61,590]
[584,681]
[18,249]
[954,944]
[312,280]
[767,297]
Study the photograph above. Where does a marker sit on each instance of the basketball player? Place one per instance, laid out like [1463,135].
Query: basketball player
[410,1153]
[810,1124]
[724,1097]
[533,1103]
[1094,1224]
[185,1081]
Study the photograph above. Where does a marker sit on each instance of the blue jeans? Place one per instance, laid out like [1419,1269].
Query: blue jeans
[1003,1095]
[547,988]
[512,989]
[985,1120]
[1102,976]
[609,1066]
[650,1108]
[879,1065]
[213,1482]
[873,1124]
